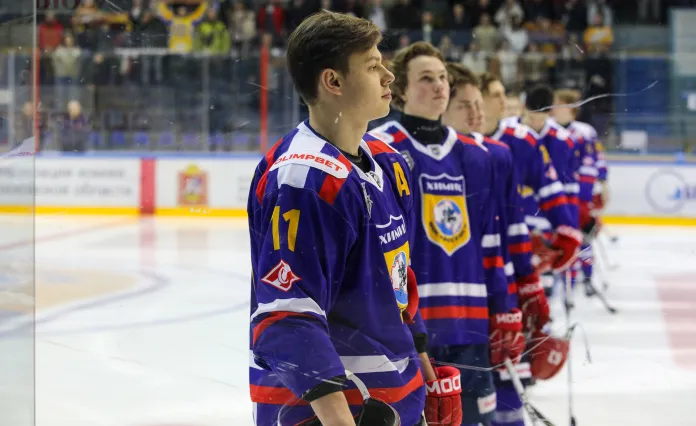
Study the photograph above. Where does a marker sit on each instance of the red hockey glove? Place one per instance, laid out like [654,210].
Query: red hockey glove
[567,241]
[412,288]
[543,254]
[589,222]
[535,306]
[506,338]
[443,402]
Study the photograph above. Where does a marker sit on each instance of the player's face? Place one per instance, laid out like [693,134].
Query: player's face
[465,112]
[427,93]
[513,107]
[495,101]
[537,120]
[561,113]
[366,85]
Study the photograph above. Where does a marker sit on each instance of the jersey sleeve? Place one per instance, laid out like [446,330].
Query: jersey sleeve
[562,155]
[601,161]
[491,247]
[587,170]
[519,245]
[302,244]
[544,180]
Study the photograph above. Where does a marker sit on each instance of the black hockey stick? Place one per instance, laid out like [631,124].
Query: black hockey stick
[534,414]
[602,298]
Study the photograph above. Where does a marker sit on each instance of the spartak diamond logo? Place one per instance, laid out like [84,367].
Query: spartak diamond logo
[281,276]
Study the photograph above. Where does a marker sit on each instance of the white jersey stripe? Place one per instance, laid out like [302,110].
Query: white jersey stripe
[299,305]
[452,289]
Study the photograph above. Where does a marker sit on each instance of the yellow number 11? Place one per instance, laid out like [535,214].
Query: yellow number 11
[293,219]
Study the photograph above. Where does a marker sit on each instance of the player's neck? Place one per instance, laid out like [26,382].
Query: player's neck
[490,126]
[343,133]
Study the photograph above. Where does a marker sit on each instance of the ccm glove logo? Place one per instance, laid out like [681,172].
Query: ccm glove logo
[509,318]
[446,386]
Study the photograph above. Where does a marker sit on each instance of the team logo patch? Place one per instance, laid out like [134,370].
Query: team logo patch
[398,278]
[445,215]
[281,276]
[408,158]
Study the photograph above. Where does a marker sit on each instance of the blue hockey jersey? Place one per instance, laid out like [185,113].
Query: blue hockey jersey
[538,179]
[556,146]
[584,137]
[330,245]
[511,216]
[457,255]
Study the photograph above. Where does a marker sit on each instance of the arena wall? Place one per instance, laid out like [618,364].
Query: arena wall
[652,191]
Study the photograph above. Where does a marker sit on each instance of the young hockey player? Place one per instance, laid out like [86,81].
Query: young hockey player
[556,148]
[466,114]
[330,219]
[458,263]
[585,137]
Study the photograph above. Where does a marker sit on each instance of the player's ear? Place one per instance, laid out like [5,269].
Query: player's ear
[330,80]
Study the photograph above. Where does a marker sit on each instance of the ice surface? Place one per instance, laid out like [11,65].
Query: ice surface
[143,322]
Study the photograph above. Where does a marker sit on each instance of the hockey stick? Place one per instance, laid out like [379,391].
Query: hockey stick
[599,268]
[603,254]
[568,294]
[534,414]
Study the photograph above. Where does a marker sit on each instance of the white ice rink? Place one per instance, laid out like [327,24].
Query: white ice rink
[144,322]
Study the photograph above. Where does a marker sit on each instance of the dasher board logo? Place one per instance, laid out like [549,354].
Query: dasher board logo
[444,211]
[193,187]
[667,191]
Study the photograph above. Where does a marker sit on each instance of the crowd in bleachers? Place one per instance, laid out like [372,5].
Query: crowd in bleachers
[170,58]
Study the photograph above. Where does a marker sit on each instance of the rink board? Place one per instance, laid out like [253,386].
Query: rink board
[642,192]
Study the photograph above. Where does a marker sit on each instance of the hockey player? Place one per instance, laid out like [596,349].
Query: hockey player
[458,263]
[330,220]
[465,113]
[585,137]
[536,173]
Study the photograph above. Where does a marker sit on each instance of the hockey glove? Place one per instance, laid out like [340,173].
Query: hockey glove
[443,402]
[543,255]
[566,241]
[535,306]
[506,338]
[409,313]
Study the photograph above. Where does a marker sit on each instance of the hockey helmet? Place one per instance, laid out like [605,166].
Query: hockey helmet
[548,356]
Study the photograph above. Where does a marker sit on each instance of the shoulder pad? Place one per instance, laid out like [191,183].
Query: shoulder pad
[521,131]
[317,160]
[562,133]
[381,135]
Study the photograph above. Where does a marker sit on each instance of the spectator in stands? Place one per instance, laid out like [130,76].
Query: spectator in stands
[136,11]
[87,14]
[533,67]
[506,12]
[377,14]
[66,67]
[602,8]
[449,50]
[352,7]
[243,28]
[211,35]
[517,36]
[649,10]
[271,20]
[149,31]
[486,35]
[74,131]
[571,50]
[574,16]
[181,24]
[459,20]
[50,37]
[50,33]
[427,27]
[404,41]
[599,37]
[479,8]
[506,60]
[533,9]
[404,16]
[299,10]
[475,59]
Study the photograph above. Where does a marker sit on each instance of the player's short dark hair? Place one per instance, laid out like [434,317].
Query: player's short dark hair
[460,76]
[539,98]
[399,67]
[326,40]
[487,78]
